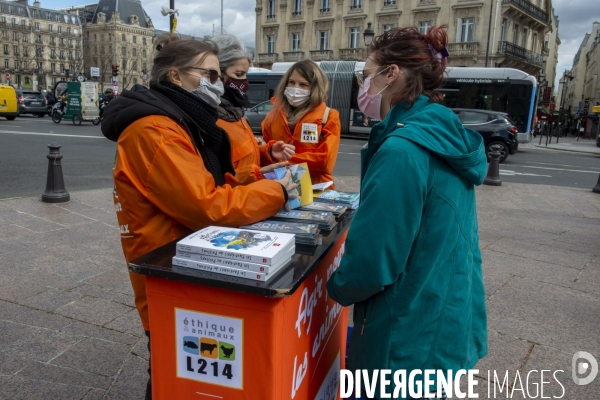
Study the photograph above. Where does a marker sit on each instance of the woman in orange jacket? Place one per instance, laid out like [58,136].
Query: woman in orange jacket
[234,63]
[301,118]
[173,172]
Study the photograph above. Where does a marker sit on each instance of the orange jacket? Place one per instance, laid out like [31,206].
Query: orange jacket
[244,149]
[320,157]
[163,191]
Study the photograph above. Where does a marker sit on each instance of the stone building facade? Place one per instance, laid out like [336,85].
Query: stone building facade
[292,30]
[40,46]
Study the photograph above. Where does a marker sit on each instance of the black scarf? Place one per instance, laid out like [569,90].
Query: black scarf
[232,105]
[211,141]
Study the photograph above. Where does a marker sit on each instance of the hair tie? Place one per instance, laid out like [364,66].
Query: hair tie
[159,47]
[438,55]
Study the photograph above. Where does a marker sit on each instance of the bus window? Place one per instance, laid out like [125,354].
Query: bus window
[257,93]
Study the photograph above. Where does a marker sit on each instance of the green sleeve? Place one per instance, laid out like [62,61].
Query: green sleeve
[384,227]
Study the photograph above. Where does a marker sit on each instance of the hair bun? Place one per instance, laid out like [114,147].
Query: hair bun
[164,40]
[437,37]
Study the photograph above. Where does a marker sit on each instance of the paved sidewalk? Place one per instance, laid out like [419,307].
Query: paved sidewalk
[69,329]
[570,143]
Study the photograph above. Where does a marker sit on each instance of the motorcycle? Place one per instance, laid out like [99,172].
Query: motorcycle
[57,111]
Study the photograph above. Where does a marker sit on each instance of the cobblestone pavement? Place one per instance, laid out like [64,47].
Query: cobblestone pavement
[69,329]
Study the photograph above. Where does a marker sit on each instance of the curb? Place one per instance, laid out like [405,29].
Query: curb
[569,150]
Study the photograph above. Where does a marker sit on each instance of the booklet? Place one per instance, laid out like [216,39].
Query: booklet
[317,187]
[239,244]
[301,177]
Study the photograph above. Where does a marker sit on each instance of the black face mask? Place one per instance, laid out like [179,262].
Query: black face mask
[233,89]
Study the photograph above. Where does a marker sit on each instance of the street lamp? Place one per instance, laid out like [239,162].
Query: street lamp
[368,34]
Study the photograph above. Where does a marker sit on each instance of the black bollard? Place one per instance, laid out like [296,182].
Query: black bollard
[493,174]
[55,185]
[596,188]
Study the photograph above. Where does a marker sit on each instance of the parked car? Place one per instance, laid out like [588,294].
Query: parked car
[256,114]
[495,127]
[31,102]
[9,107]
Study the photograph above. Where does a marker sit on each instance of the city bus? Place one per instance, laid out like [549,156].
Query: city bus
[496,89]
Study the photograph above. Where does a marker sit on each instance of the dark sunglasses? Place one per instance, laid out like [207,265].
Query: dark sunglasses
[213,74]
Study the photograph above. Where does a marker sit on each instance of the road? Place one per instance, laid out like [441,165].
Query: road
[88,158]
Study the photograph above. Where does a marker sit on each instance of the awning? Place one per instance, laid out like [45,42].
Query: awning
[543,116]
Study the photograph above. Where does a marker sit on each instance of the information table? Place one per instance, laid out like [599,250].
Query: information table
[220,337]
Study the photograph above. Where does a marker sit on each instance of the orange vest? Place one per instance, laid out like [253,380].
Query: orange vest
[320,157]
[163,192]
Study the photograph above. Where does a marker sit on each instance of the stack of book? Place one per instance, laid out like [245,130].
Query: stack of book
[307,234]
[243,253]
[349,199]
[336,209]
[325,219]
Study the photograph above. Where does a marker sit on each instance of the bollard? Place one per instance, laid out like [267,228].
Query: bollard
[55,185]
[596,188]
[493,174]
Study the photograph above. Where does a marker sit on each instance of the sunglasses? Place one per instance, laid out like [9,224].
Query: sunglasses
[360,75]
[213,74]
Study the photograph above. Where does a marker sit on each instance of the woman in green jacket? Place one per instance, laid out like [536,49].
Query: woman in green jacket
[412,264]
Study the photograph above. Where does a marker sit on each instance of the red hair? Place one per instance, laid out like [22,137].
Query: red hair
[409,49]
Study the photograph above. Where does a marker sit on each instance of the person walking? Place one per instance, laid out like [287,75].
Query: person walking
[234,63]
[412,263]
[173,173]
[301,118]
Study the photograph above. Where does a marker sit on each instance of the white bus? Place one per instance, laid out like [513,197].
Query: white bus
[497,89]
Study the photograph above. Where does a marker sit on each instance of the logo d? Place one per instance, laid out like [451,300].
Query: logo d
[583,367]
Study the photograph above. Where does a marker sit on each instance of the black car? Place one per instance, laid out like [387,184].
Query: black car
[31,102]
[494,126]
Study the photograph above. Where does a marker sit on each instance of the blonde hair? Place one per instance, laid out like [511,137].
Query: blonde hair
[319,84]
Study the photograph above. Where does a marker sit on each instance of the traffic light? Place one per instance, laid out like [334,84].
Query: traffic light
[115,70]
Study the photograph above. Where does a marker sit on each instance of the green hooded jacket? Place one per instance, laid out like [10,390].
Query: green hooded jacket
[412,264]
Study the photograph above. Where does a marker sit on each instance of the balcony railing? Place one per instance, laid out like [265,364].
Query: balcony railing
[520,53]
[324,10]
[463,49]
[297,14]
[321,55]
[268,58]
[293,56]
[529,8]
[351,54]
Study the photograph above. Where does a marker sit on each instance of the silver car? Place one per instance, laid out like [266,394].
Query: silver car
[256,114]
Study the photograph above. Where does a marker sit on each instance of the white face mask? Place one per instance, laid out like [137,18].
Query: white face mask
[209,92]
[295,96]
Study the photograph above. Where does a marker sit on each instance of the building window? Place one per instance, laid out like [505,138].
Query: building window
[534,43]
[16,50]
[135,66]
[515,34]
[524,38]
[389,2]
[62,54]
[50,28]
[356,4]
[144,53]
[123,37]
[17,65]
[48,16]
[144,66]
[270,44]
[295,42]
[324,40]
[135,39]
[5,35]
[6,49]
[388,27]
[465,29]
[37,26]
[25,38]
[15,36]
[297,7]
[62,68]
[325,6]
[95,37]
[68,31]
[503,30]
[6,64]
[123,51]
[354,38]
[57,17]
[144,41]
[53,68]
[13,22]
[271,9]
[424,26]
[134,52]
[34,13]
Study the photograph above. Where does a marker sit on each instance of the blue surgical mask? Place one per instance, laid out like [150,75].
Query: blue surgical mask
[209,92]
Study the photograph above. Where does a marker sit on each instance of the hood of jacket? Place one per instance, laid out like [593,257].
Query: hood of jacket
[437,129]
[134,104]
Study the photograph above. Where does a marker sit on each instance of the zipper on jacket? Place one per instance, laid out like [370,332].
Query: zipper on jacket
[243,124]
[362,330]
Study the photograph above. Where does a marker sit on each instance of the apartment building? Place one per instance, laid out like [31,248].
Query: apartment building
[500,33]
[40,46]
